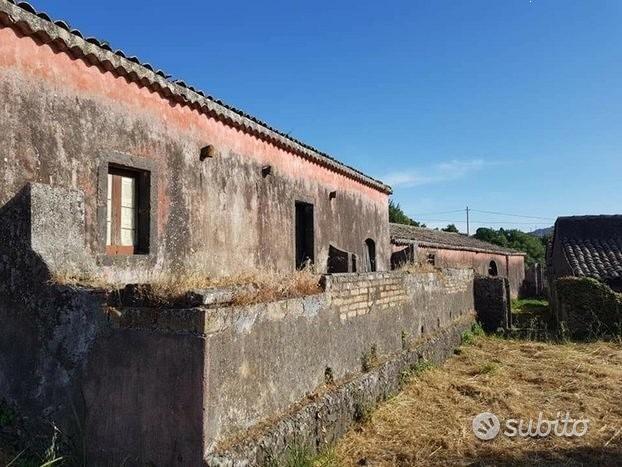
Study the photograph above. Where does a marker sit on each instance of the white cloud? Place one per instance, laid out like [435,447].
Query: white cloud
[438,173]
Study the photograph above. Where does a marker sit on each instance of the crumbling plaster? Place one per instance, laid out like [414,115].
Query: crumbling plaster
[62,117]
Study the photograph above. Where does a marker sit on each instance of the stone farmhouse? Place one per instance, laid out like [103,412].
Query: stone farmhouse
[111,169]
[166,177]
[453,250]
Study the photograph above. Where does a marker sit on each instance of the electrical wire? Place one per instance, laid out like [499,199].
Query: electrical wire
[512,215]
[435,213]
[479,222]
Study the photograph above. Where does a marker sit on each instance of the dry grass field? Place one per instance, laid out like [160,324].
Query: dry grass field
[430,421]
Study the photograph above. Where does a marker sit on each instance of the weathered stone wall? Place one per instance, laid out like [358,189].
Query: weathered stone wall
[492,302]
[63,120]
[512,267]
[535,284]
[318,424]
[47,330]
[252,364]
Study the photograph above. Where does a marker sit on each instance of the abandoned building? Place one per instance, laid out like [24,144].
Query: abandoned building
[453,250]
[111,170]
[587,246]
[171,178]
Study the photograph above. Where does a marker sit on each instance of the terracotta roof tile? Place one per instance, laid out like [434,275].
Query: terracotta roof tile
[592,245]
[403,234]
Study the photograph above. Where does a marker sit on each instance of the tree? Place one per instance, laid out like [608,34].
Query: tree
[451,228]
[398,216]
[515,239]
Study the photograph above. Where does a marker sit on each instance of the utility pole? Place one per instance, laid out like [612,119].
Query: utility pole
[468,230]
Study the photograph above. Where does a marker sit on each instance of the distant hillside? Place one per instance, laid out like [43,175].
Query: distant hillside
[545,232]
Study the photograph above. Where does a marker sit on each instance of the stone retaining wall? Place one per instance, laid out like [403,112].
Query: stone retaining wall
[316,425]
[216,375]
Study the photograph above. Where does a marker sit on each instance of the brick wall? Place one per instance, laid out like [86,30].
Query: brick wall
[353,295]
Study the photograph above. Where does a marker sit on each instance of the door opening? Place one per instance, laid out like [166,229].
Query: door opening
[371,254]
[304,235]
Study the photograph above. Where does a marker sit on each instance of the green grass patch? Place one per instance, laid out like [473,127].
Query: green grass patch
[529,305]
[489,368]
[468,337]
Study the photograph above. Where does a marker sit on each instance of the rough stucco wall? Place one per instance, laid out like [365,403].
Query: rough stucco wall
[61,119]
[153,397]
[47,330]
[320,422]
[260,360]
[492,303]
[512,267]
[263,343]
[516,274]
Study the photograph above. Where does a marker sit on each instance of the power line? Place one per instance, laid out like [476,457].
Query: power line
[507,222]
[435,213]
[419,216]
[513,215]
[481,222]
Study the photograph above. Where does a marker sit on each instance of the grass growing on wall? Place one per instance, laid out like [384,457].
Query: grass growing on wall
[249,287]
[589,308]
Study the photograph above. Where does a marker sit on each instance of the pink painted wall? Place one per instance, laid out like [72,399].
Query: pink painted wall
[512,267]
[62,116]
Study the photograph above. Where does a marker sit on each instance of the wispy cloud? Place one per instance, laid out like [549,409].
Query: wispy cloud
[438,173]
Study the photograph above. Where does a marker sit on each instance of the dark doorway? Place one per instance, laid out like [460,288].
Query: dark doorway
[304,234]
[492,269]
[371,254]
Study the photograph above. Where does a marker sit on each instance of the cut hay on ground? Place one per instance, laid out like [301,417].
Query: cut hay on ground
[430,421]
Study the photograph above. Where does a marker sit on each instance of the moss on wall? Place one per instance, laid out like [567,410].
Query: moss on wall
[589,308]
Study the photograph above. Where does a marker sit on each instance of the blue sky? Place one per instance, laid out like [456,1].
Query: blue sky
[510,106]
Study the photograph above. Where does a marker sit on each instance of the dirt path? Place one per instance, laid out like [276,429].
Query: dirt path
[430,422]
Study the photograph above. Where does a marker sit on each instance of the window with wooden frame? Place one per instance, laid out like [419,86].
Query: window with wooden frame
[127,211]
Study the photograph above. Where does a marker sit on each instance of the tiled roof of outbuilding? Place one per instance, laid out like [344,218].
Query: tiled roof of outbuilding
[592,245]
[406,234]
[30,22]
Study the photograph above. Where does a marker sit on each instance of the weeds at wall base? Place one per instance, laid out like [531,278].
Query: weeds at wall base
[369,359]
[415,370]
[468,337]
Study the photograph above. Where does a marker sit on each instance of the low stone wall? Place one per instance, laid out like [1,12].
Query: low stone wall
[215,374]
[140,385]
[326,417]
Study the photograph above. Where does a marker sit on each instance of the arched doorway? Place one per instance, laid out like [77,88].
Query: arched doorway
[371,254]
[492,269]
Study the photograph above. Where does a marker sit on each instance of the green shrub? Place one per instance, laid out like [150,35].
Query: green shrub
[478,330]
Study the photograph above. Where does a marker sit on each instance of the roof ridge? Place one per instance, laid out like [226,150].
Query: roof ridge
[468,243]
[31,22]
